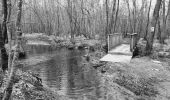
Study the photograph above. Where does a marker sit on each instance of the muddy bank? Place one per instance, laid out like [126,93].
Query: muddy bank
[29,89]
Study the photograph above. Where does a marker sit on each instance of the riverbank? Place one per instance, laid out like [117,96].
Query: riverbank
[28,84]
[42,39]
[141,79]
[144,78]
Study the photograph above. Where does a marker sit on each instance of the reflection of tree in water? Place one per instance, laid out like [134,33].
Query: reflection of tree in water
[80,80]
[39,49]
[65,72]
[52,70]
[72,69]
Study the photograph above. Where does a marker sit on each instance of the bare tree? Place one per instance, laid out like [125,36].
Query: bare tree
[163,35]
[148,21]
[107,22]
[9,34]
[134,14]
[112,17]
[117,12]
[3,37]
[168,19]
[159,30]
[141,19]
[70,15]
[153,27]
[12,80]
[130,21]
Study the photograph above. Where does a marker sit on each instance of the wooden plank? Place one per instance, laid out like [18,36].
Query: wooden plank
[116,58]
[120,53]
[123,48]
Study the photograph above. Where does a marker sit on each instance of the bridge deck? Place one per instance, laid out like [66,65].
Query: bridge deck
[121,53]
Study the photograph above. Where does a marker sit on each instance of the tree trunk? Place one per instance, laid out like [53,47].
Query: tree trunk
[112,17]
[4,56]
[168,19]
[11,82]
[107,25]
[9,36]
[134,15]
[153,26]
[117,12]
[159,30]
[148,21]
[141,20]
[130,21]
[70,15]
[163,35]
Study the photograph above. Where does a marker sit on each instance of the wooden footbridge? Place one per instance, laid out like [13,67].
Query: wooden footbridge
[119,48]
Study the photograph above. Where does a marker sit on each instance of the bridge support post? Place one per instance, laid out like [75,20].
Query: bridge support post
[133,37]
[108,41]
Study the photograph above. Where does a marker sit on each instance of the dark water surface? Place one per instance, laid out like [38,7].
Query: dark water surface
[65,72]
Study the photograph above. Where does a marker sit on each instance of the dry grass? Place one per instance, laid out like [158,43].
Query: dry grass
[139,86]
[142,76]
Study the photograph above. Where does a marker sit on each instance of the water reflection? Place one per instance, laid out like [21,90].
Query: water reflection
[66,73]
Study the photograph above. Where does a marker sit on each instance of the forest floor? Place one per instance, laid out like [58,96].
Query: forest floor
[141,79]
[144,78]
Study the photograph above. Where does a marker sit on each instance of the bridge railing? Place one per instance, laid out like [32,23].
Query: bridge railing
[117,39]
[114,40]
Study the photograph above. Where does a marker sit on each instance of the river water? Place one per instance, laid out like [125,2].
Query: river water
[65,73]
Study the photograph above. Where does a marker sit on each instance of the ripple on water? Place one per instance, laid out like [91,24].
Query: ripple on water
[64,73]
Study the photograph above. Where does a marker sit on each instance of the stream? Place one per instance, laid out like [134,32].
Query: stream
[64,72]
